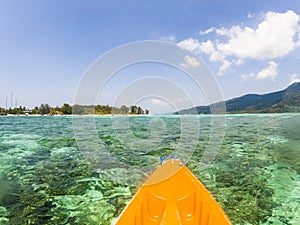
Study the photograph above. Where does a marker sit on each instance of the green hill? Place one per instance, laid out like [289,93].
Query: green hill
[287,100]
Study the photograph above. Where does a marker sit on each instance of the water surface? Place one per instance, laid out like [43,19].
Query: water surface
[46,179]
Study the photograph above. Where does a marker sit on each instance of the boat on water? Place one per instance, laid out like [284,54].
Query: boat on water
[173,195]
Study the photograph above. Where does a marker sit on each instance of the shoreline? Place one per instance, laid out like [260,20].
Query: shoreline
[151,115]
[71,115]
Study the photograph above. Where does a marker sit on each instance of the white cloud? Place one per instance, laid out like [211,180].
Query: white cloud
[230,33]
[190,62]
[238,62]
[181,100]
[190,44]
[247,76]
[225,66]
[250,15]
[294,79]
[170,38]
[209,30]
[159,102]
[270,71]
[208,48]
[275,36]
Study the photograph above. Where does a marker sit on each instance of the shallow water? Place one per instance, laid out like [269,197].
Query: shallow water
[49,176]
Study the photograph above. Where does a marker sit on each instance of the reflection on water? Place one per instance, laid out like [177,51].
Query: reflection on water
[46,179]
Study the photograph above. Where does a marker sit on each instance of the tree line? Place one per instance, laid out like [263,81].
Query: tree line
[66,109]
[106,109]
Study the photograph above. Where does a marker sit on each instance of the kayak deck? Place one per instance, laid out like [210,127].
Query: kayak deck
[172,195]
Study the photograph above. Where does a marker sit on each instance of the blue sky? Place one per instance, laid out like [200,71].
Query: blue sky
[47,45]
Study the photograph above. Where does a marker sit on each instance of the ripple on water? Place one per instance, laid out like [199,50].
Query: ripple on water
[45,179]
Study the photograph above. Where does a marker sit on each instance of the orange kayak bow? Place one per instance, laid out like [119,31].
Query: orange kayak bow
[172,195]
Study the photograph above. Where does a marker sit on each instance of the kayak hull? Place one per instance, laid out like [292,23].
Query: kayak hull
[172,195]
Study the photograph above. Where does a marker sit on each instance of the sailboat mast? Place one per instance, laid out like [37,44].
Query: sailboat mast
[6,102]
[11,100]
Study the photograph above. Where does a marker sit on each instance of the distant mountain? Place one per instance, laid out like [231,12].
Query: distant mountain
[287,100]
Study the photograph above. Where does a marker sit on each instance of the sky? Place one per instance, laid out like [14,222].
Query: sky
[47,46]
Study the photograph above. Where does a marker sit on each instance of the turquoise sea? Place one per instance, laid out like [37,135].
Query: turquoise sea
[48,175]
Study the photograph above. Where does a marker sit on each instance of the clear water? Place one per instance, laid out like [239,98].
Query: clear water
[46,179]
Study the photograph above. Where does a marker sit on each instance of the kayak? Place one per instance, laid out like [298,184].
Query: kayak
[172,195]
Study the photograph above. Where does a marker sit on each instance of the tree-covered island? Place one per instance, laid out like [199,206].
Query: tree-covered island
[66,109]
